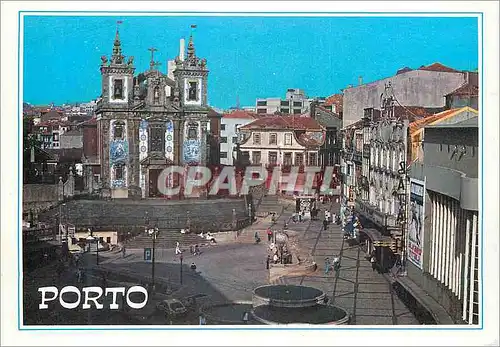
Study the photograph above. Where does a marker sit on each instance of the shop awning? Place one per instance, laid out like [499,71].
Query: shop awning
[377,238]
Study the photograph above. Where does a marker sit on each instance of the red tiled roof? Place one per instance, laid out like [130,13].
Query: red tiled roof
[420,123]
[336,99]
[240,114]
[438,67]
[466,89]
[313,139]
[284,122]
[91,121]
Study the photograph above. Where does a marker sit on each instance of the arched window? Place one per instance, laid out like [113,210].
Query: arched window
[156,95]
[118,89]
[118,130]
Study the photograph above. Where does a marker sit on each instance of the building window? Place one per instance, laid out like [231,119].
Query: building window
[193,91]
[157,138]
[118,129]
[55,137]
[235,139]
[285,103]
[273,138]
[288,139]
[261,110]
[297,104]
[299,159]
[296,111]
[118,89]
[313,159]
[285,110]
[256,139]
[223,127]
[262,103]
[256,158]
[287,159]
[119,172]
[156,95]
[273,158]
[223,155]
[223,139]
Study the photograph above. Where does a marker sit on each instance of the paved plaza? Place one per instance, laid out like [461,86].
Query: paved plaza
[230,271]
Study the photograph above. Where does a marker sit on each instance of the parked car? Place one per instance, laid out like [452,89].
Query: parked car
[171,307]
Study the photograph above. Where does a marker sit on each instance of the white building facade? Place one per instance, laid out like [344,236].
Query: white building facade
[286,141]
[230,134]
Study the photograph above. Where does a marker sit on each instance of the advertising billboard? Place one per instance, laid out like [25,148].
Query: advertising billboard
[416,214]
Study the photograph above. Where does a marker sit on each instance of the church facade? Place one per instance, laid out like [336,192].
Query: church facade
[151,121]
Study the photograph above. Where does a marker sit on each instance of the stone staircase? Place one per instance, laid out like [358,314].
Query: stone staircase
[166,239]
[129,215]
[269,204]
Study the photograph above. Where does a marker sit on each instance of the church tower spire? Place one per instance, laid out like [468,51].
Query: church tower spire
[191,51]
[117,57]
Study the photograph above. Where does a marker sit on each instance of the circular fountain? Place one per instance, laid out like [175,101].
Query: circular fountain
[291,304]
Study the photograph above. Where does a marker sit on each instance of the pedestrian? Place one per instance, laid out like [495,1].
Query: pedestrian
[191,249]
[202,319]
[123,251]
[327,265]
[196,250]
[178,249]
[268,260]
[302,216]
[373,260]
[245,317]
[275,258]
[336,263]
[325,224]
[256,237]
[269,235]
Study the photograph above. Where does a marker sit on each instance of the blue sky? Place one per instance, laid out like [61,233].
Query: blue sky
[248,57]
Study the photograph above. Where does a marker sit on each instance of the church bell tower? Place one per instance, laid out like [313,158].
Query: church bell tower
[115,124]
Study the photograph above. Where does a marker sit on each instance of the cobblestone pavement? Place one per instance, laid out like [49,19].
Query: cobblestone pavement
[365,294]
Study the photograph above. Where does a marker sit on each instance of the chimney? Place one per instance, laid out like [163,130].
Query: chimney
[182,49]
[360,80]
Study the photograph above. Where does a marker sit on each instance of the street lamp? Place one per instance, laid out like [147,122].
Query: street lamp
[181,259]
[153,232]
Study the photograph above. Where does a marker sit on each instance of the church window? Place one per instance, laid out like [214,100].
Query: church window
[156,99]
[157,138]
[192,131]
[118,89]
[119,172]
[118,129]
[193,91]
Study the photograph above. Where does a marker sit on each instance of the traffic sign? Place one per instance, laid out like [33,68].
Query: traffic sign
[148,255]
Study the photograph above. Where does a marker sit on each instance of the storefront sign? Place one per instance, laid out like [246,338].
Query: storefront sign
[416,216]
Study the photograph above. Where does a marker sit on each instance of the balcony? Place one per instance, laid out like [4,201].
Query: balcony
[357,157]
